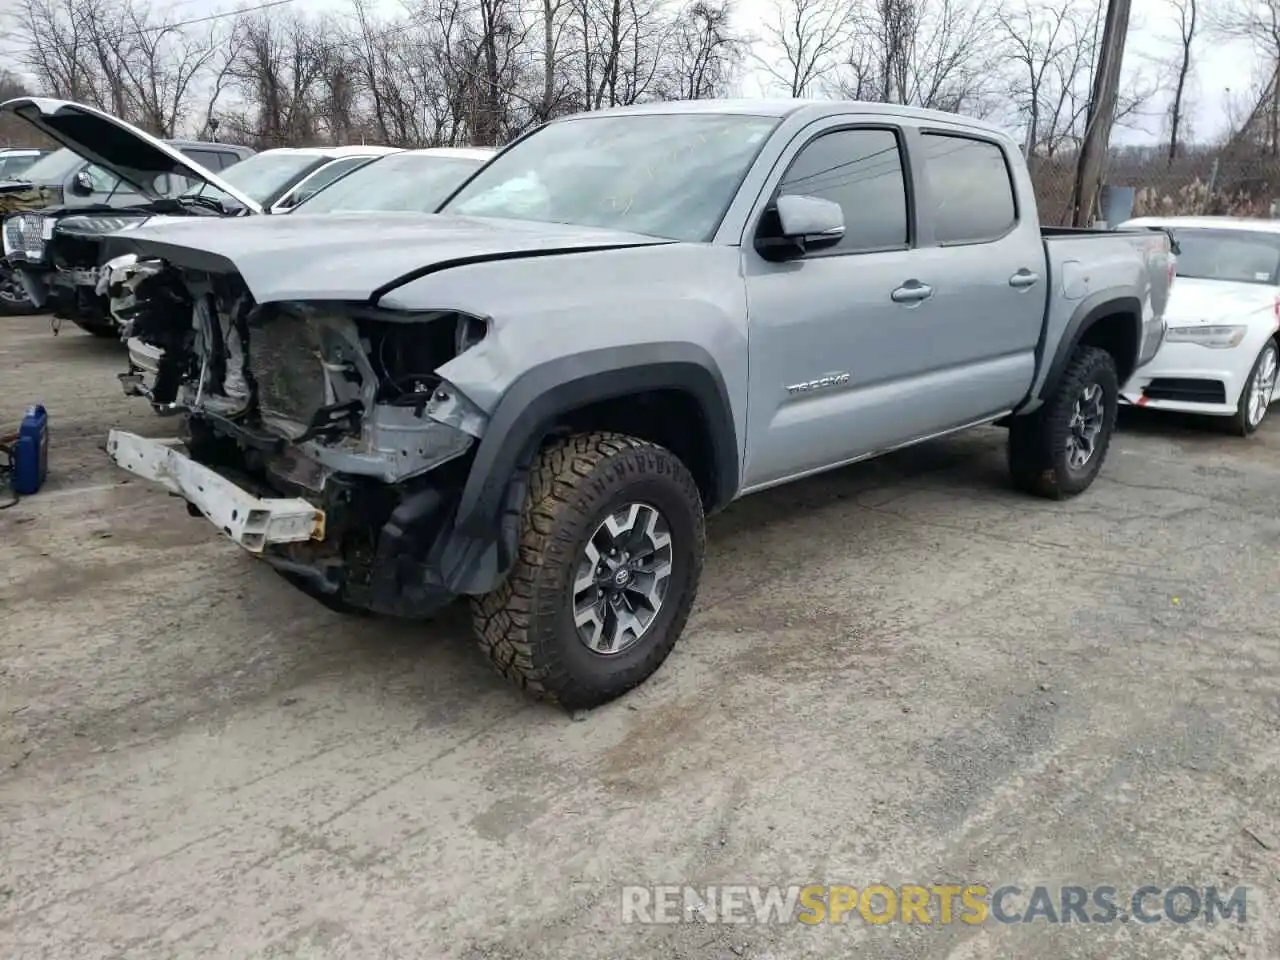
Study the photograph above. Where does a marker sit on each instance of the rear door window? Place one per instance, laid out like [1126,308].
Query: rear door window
[970,188]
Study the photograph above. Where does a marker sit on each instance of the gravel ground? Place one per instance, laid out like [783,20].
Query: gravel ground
[901,672]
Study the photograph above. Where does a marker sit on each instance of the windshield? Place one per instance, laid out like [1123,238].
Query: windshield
[668,175]
[14,164]
[261,177]
[402,182]
[55,167]
[1239,256]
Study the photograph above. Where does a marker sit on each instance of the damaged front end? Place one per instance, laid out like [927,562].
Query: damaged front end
[333,405]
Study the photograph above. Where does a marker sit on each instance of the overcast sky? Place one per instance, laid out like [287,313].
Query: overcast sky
[1220,67]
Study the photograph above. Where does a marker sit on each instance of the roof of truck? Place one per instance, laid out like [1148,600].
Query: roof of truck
[784,108]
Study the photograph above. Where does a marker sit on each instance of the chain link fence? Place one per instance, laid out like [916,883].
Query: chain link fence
[1199,182]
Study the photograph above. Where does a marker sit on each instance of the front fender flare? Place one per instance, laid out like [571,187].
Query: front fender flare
[530,408]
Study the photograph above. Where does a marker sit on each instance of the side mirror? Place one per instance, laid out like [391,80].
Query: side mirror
[82,184]
[798,225]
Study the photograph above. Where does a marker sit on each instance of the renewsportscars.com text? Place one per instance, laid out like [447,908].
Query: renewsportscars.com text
[932,904]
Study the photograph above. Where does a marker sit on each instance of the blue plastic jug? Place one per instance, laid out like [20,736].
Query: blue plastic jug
[31,452]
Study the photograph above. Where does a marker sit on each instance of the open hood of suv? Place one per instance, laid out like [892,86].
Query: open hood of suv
[121,148]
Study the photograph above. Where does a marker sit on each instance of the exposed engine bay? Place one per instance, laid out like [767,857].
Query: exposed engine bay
[338,404]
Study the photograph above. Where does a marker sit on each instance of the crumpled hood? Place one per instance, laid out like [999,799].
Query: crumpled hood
[355,256]
[1195,301]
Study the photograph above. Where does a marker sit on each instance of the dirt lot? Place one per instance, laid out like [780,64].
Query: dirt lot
[898,673]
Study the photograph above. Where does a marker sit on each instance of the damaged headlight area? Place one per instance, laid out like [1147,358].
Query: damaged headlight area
[25,236]
[336,404]
[355,389]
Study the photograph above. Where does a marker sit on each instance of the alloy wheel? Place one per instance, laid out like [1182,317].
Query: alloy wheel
[1262,386]
[1085,425]
[621,579]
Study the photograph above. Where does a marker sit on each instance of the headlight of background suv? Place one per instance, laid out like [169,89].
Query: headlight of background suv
[11,234]
[25,235]
[100,224]
[1219,337]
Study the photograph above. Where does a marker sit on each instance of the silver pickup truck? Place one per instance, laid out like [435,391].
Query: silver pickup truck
[625,321]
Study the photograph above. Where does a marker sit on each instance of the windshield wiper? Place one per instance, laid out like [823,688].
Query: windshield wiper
[196,200]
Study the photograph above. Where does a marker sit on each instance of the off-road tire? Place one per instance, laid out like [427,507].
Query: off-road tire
[10,307]
[1239,423]
[526,626]
[1037,448]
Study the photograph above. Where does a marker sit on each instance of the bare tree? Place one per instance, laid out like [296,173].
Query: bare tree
[1044,49]
[56,47]
[163,64]
[705,51]
[811,35]
[1258,22]
[1185,14]
[280,70]
[940,54]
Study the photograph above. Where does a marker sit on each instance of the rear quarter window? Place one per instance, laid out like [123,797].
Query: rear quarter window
[970,188]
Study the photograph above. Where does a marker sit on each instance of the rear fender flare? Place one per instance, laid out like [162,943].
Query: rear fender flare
[1091,311]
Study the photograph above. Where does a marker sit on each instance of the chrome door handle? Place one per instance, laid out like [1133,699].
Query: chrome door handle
[913,291]
[1024,278]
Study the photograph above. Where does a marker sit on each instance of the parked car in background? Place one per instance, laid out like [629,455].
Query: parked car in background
[406,182]
[96,172]
[283,177]
[14,160]
[413,181]
[1220,356]
[624,321]
[276,180]
[56,252]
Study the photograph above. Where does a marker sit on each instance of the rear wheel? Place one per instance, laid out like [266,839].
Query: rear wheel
[1057,451]
[1255,398]
[14,301]
[611,550]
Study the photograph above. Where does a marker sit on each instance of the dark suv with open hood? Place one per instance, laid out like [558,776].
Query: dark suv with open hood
[68,182]
[54,248]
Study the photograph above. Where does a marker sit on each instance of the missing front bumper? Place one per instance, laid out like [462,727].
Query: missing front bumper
[253,522]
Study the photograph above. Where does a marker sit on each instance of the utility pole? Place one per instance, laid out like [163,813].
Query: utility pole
[1101,114]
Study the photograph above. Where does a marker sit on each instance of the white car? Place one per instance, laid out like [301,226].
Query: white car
[1219,355]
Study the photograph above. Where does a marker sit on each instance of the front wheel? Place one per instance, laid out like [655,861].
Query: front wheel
[14,301]
[106,329]
[611,547]
[1057,451]
[1255,398]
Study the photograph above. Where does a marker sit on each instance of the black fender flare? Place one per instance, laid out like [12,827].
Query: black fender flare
[1091,311]
[528,411]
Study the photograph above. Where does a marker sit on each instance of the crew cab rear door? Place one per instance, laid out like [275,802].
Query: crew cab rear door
[979,242]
